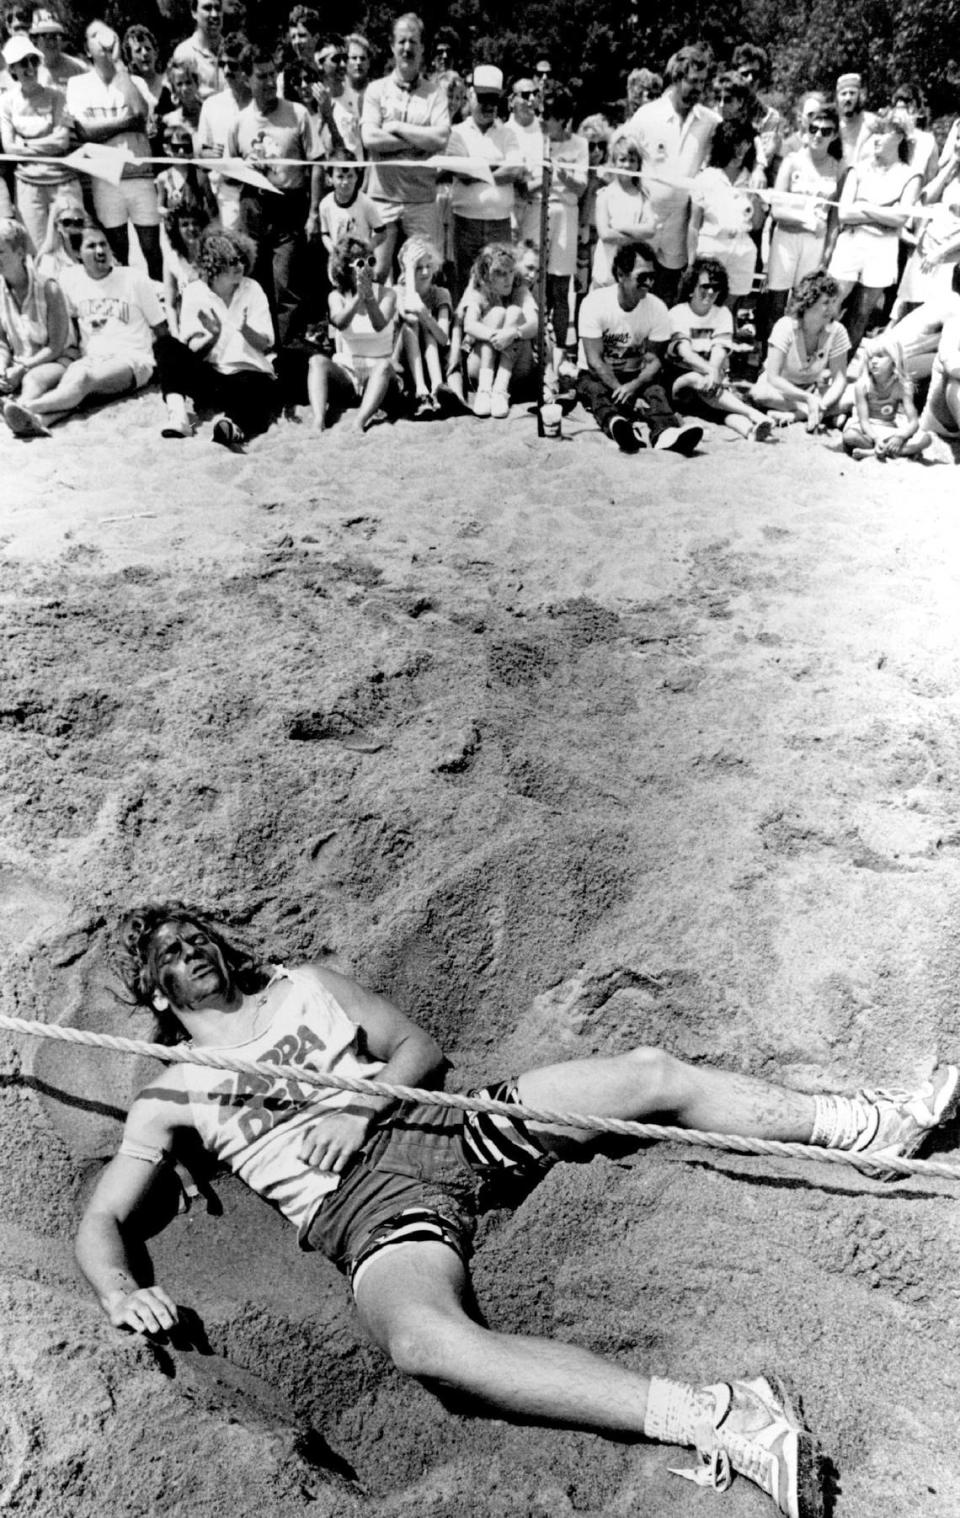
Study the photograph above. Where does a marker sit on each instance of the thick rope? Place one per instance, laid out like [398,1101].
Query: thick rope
[190,1055]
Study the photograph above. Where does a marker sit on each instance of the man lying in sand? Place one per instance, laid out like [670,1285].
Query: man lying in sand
[388,1191]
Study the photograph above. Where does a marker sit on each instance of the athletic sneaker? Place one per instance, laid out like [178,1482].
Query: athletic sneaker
[499,405]
[621,430]
[901,1120]
[679,439]
[755,1429]
[227,433]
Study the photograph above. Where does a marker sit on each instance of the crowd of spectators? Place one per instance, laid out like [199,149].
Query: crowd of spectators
[439,239]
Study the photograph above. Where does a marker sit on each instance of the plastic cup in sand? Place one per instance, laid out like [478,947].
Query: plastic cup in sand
[551,416]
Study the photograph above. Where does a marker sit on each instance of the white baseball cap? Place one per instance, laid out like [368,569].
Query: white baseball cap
[19,47]
[45,24]
[487,80]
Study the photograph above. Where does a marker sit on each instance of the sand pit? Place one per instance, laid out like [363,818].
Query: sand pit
[565,751]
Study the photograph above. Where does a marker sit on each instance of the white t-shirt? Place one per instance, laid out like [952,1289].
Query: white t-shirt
[249,307]
[114,315]
[625,334]
[92,102]
[703,333]
[674,147]
[360,218]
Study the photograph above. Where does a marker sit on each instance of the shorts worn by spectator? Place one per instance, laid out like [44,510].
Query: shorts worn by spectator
[390,1190]
[624,332]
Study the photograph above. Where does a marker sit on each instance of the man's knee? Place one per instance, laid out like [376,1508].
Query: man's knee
[432,1348]
[653,1070]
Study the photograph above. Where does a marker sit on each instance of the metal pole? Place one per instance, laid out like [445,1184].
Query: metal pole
[542,280]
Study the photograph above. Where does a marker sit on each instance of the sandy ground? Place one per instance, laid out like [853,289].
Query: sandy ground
[566,751]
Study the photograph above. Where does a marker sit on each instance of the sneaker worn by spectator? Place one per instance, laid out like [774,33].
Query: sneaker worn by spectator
[624,434]
[679,439]
[227,433]
[887,1123]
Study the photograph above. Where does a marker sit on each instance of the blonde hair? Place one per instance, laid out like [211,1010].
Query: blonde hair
[417,250]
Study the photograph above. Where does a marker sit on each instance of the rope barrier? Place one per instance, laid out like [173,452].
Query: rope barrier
[736,1143]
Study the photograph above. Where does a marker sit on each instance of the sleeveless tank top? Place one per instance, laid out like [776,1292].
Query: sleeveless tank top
[254,1124]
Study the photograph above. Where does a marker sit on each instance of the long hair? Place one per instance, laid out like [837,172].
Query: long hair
[133,963]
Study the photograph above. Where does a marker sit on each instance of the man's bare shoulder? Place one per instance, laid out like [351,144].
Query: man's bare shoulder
[160,1109]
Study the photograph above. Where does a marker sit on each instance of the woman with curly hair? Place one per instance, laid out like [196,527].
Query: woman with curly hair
[804,374]
[222,359]
[363,314]
[702,337]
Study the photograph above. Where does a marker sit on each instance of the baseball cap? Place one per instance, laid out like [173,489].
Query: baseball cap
[17,48]
[487,80]
[44,24]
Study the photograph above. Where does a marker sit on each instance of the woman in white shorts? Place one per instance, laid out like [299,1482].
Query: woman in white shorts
[803,209]
[877,197]
[363,316]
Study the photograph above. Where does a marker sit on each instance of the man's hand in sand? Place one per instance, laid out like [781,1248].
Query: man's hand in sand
[148,1310]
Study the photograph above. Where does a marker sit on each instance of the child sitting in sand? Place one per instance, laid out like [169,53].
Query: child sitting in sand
[363,315]
[499,318]
[702,328]
[425,311]
[885,424]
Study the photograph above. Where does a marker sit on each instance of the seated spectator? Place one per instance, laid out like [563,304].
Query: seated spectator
[425,310]
[941,414]
[482,210]
[106,107]
[184,229]
[362,313]
[884,424]
[60,248]
[347,210]
[702,337]
[624,332]
[142,58]
[804,375]
[118,314]
[803,210]
[34,127]
[46,33]
[36,335]
[222,360]
[218,114]
[570,161]
[723,209]
[877,197]
[499,317]
[624,211]
[182,181]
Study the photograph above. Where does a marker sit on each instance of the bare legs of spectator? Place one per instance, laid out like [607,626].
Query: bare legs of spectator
[860,302]
[78,382]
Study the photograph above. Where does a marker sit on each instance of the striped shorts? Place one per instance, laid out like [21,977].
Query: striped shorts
[421,1179]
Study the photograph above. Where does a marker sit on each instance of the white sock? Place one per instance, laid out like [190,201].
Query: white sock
[843,1122]
[675,1411]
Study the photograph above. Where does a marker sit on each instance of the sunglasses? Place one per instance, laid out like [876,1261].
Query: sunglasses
[706,285]
[527,94]
[820,131]
[70,221]
[369,262]
[645,277]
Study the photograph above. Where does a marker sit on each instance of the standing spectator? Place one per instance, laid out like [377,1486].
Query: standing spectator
[933,263]
[643,85]
[358,72]
[404,116]
[922,150]
[142,57]
[33,126]
[218,114]
[202,48]
[624,332]
[185,89]
[855,124]
[265,130]
[524,122]
[340,124]
[46,33]
[624,212]
[877,196]
[482,211]
[805,218]
[570,160]
[724,211]
[301,70]
[446,52]
[674,135]
[596,131]
[753,65]
[106,107]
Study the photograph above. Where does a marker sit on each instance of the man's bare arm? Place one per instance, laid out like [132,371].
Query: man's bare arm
[101,1244]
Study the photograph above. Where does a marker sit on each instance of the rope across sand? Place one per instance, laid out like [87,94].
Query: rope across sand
[189,1055]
